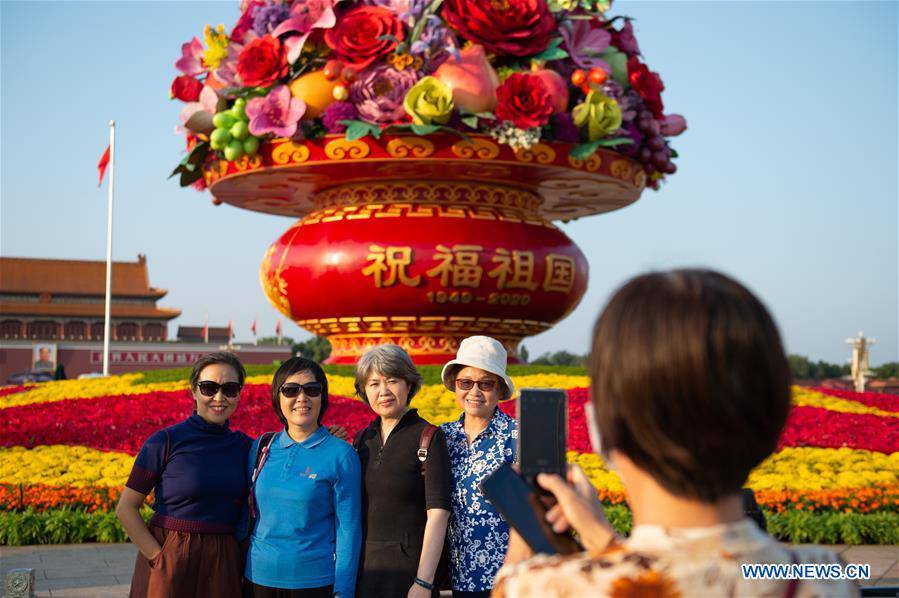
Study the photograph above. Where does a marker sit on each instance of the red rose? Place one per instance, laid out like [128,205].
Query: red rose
[186,89]
[359,36]
[262,62]
[647,84]
[524,99]
[516,27]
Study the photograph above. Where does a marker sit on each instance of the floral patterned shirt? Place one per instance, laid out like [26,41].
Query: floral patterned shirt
[655,561]
[478,534]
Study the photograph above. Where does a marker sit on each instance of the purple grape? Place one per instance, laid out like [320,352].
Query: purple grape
[645,154]
[656,143]
[659,160]
[670,168]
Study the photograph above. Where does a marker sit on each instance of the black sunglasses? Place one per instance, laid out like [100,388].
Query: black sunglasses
[310,389]
[466,384]
[208,388]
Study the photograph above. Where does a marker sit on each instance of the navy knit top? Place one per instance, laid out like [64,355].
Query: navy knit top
[198,474]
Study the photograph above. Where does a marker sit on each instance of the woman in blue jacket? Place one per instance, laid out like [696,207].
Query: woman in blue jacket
[304,497]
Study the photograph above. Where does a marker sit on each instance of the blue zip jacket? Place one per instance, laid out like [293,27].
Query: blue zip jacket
[308,501]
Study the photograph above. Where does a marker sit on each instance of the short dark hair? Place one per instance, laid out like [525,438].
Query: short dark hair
[389,360]
[292,366]
[689,380]
[222,357]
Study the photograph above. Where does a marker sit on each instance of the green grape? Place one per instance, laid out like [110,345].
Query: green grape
[234,150]
[238,112]
[240,130]
[251,145]
[223,120]
[219,139]
[240,102]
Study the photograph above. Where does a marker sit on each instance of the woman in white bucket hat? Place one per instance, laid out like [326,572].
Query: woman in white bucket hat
[482,439]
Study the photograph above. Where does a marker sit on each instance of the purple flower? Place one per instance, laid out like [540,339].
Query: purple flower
[585,43]
[277,113]
[626,41]
[268,16]
[378,93]
[565,129]
[191,61]
[337,112]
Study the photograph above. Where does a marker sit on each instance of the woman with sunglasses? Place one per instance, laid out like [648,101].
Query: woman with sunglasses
[305,533]
[406,489]
[482,439]
[197,472]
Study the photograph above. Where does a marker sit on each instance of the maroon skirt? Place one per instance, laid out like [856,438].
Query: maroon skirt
[189,564]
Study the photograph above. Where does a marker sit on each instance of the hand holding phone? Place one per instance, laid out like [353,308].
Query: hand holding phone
[524,511]
[577,508]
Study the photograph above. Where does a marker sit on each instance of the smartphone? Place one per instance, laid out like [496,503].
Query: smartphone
[542,432]
[524,511]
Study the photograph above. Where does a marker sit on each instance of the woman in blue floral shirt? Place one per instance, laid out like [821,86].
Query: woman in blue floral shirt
[481,440]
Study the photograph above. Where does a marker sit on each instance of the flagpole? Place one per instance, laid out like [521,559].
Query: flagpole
[108,308]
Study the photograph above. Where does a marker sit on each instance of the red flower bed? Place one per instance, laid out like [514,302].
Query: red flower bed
[578,437]
[122,423]
[871,399]
[814,426]
[11,390]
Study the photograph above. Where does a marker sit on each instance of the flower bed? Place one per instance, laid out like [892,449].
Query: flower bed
[834,478]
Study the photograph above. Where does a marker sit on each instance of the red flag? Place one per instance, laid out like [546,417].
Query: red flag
[206,330]
[230,329]
[278,330]
[102,164]
[253,327]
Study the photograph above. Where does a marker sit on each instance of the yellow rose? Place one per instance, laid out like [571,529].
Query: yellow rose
[600,113]
[430,101]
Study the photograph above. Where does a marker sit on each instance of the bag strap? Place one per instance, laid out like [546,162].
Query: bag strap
[357,439]
[265,442]
[424,442]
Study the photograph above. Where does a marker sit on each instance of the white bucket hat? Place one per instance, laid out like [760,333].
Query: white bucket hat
[480,352]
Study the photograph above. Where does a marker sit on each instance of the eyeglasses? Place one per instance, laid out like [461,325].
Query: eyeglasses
[310,389]
[208,388]
[485,385]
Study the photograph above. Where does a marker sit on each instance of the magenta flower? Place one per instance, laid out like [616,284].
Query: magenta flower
[278,113]
[305,15]
[191,61]
[585,43]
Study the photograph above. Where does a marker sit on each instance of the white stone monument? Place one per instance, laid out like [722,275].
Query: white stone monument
[860,371]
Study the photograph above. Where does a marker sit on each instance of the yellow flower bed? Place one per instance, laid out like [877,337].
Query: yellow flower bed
[60,390]
[60,465]
[809,398]
[807,468]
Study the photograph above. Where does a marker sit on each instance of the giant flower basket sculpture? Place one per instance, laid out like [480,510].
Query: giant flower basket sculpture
[426,148]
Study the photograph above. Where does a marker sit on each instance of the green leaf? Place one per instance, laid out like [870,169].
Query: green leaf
[489,115]
[425,129]
[470,121]
[552,51]
[615,141]
[357,129]
[583,151]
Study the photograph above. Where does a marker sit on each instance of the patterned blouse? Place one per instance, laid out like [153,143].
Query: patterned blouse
[478,534]
[655,561]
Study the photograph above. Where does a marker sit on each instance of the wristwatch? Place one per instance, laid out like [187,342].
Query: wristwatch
[424,584]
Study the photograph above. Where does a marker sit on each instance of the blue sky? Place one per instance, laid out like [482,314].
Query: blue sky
[787,178]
